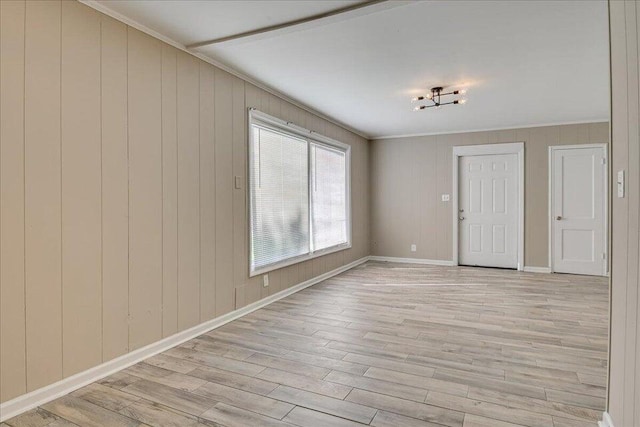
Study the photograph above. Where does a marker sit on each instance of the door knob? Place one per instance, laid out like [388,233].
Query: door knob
[558,218]
[460,218]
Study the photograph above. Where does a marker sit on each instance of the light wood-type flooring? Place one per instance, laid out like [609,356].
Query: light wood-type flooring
[383,344]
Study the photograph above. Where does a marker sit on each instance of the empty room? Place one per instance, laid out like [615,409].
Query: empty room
[320,213]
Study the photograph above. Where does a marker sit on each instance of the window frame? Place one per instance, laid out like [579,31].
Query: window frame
[288,128]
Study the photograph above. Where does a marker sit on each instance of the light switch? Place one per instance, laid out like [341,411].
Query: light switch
[265,280]
[445,197]
[413,248]
[238,182]
[621,183]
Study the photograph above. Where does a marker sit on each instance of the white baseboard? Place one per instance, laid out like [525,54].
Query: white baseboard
[442,262]
[411,260]
[20,404]
[537,269]
[606,420]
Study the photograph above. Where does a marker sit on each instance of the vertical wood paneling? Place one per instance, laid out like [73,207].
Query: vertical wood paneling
[240,220]
[624,376]
[366,196]
[619,209]
[145,189]
[169,192]
[115,191]
[12,229]
[636,207]
[207,195]
[81,189]
[42,194]
[188,192]
[536,198]
[252,99]
[224,128]
[598,133]
[119,219]
[571,134]
[584,133]
[632,385]
[445,186]
[426,202]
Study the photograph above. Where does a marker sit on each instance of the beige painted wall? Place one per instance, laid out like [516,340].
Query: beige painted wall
[119,221]
[409,175]
[624,363]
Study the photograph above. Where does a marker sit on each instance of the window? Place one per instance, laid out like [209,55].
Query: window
[299,194]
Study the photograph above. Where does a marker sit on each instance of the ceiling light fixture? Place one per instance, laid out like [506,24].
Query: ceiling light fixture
[436,98]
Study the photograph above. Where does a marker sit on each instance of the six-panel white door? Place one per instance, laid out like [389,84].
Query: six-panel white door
[488,210]
[578,209]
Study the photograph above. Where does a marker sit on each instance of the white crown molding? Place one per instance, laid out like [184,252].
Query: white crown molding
[414,135]
[100,7]
[411,260]
[23,403]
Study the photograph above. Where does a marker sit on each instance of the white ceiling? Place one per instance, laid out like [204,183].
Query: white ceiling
[524,63]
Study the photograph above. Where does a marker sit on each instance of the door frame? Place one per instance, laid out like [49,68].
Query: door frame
[605,176]
[481,150]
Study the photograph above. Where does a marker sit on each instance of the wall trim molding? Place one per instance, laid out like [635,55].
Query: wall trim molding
[23,403]
[411,260]
[606,420]
[531,269]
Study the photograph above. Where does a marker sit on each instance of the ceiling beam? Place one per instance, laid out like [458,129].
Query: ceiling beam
[293,23]
[100,7]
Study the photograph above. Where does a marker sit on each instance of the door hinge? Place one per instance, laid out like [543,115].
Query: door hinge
[604,161]
[604,255]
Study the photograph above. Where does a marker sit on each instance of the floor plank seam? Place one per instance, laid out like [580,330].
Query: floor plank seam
[526,349]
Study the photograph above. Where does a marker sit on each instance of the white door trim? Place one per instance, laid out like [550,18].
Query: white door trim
[605,198]
[487,149]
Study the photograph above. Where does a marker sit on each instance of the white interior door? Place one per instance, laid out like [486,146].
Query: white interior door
[577,210]
[488,210]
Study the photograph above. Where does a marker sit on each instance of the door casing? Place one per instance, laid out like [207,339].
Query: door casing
[605,208]
[479,150]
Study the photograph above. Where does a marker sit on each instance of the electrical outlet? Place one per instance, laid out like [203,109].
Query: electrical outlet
[265,280]
[445,197]
[413,248]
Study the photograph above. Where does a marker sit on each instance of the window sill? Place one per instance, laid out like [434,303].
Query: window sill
[299,259]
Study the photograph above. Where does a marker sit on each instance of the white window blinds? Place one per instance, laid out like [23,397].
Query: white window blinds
[328,197]
[299,194]
[279,197]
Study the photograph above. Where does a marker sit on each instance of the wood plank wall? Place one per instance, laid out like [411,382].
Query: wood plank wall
[624,363]
[119,221]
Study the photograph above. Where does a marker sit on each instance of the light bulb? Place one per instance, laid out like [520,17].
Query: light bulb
[462,91]
[462,101]
[417,98]
[429,96]
[419,107]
